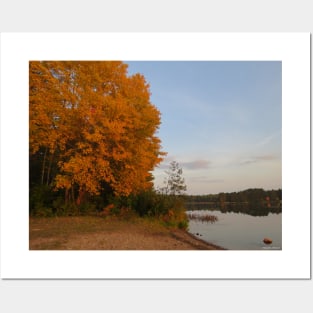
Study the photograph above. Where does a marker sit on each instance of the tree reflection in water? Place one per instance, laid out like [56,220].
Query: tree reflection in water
[245,208]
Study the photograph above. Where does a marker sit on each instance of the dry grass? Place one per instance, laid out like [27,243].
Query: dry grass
[111,233]
[202,218]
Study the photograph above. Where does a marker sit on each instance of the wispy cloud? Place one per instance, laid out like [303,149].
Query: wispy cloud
[266,140]
[196,165]
[257,159]
[205,179]
[189,165]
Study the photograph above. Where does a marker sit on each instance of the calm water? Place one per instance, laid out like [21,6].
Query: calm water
[237,231]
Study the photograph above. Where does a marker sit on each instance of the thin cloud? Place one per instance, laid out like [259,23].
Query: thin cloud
[205,179]
[191,165]
[257,159]
[266,140]
[196,165]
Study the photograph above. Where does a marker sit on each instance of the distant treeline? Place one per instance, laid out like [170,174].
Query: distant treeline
[256,201]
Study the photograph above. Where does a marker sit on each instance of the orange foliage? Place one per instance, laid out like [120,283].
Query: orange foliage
[100,122]
[107,210]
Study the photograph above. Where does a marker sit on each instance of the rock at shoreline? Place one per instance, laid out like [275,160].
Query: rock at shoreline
[267,241]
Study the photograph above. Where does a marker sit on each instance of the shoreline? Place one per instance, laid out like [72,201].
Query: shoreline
[94,233]
[215,247]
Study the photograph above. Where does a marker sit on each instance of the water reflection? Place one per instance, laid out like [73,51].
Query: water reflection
[245,208]
[239,231]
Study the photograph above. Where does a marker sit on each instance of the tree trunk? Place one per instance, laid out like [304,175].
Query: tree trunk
[43,166]
[49,168]
[81,196]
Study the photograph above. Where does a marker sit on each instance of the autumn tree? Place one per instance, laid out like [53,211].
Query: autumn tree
[92,128]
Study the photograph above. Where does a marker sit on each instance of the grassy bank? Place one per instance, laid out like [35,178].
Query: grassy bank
[110,233]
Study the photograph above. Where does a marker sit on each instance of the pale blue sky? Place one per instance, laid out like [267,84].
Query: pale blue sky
[222,121]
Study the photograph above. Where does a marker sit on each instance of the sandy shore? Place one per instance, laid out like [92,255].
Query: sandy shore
[91,233]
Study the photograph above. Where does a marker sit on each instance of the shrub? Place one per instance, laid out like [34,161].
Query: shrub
[144,203]
[86,208]
[40,199]
[183,224]
[169,209]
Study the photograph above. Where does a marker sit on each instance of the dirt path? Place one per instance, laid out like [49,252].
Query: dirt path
[95,233]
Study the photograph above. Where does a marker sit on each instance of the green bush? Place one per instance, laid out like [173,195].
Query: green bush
[40,200]
[144,203]
[87,208]
[169,209]
[183,224]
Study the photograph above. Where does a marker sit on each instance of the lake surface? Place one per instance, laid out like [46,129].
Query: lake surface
[238,231]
